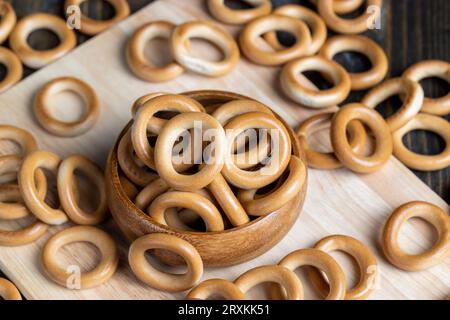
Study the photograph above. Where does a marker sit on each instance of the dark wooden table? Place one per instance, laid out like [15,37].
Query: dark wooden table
[412,30]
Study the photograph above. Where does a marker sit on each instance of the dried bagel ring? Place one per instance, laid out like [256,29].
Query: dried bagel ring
[232,109]
[343,6]
[135,53]
[280,151]
[433,256]
[65,179]
[142,100]
[11,204]
[99,238]
[92,27]
[312,20]
[284,277]
[146,196]
[128,162]
[210,32]
[10,166]
[367,263]
[23,138]
[289,189]
[313,98]
[7,20]
[365,46]
[423,121]
[166,139]
[348,26]
[145,121]
[23,236]
[173,218]
[224,288]
[13,66]
[327,160]
[260,26]
[26,178]
[201,205]
[61,128]
[223,13]
[431,68]
[8,291]
[39,58]
[379,128]
[159,279]
[412,102]
[318,259]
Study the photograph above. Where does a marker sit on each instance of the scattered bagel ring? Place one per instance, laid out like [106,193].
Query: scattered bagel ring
[412,101]
[365,46]
[8,291]
[253,31]
[327,160]
[257,206]
[92,27]
[379,128]
[343,6]
[13,66]
[312,20]
[128,162]
[223,13]
[26,178]
[310,97]
[61,128]
[65,179]
[367,263]
[207,288]
[284,277]
[135,53]
[318,259]
[281,151]
[23,236]
[39,58]
[7,20]
[431,68]
[159,279]
[23,138]
[9,166]
[99,238]
[210,32]
[430,213]
[348,26]
[11,204]
[423,121]
[201,205]
[145,120]
[166,139]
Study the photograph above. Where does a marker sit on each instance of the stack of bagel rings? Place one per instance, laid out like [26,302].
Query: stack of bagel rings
[221,190]
[25,195]
[179,38]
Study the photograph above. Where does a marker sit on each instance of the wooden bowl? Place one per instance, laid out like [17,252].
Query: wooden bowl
[217,249]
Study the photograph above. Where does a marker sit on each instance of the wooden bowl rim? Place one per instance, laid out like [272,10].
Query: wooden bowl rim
[213,93]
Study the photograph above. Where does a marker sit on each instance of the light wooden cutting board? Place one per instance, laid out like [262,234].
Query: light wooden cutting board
[337,202]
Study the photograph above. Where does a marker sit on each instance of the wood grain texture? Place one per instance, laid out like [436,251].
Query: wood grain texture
[412,30]
[336,202]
